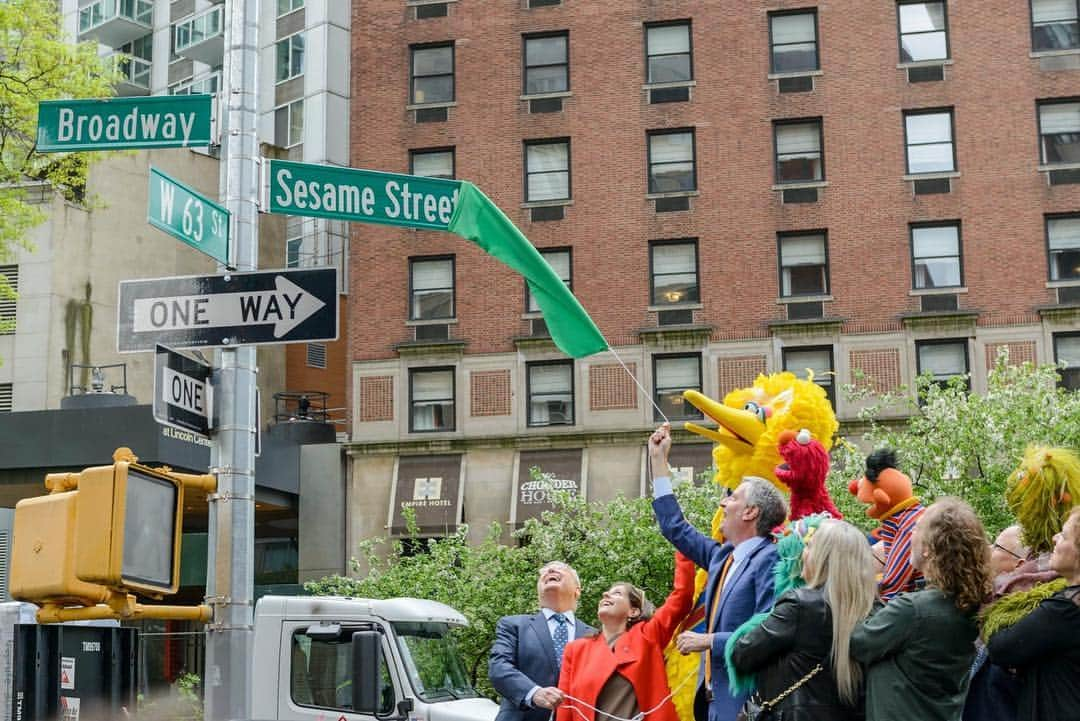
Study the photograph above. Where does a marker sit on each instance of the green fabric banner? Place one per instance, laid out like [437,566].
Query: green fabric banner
[478,219]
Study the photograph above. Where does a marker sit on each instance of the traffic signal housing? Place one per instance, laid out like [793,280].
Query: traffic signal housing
[100,535]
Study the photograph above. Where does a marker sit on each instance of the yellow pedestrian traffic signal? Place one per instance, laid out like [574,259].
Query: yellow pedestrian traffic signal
[100,535]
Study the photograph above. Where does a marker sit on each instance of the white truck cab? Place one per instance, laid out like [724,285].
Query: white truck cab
[353,659]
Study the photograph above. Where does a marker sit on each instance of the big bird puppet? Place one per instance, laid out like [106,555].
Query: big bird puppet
[754,423]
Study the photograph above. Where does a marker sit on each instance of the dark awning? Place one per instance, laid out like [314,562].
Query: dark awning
[431,487]
[532,497]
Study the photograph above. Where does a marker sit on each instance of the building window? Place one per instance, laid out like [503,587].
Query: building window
[1059,131]
[943,359]
[5,397]
[559,260]
[928,135]
[432,75]
[290,58]
[793,39]
[316,355]
[208,84]
[799,158]
[1067,354]
[431,399]
[547,170]
[668,56]
[804,264]
[1054,25]
[292,252]
[935,256]
[435,163]
[672,165]
[289,124]
[1063,244]
[284,7]
[7,301]
[431,288]
[923,31]
[551,393]
[818,361]
[673,374]
[674,272]
[547,63]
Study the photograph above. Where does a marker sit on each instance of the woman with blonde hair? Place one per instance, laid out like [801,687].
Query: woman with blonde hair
[801,650]
[918,649]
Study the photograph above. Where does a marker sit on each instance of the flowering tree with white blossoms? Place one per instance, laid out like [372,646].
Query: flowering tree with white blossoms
[964,444]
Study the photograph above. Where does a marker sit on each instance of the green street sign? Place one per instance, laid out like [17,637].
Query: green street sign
[157,121]
[364,196]
[188,216]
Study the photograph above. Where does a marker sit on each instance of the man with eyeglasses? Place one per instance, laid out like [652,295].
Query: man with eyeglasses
[1007,552]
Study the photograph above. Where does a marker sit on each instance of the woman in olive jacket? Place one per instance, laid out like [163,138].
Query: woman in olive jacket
[811,626]
[919,647]
[1044,646]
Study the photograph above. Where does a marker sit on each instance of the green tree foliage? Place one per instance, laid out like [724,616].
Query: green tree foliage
[959,443]
[37,62]
[604,542]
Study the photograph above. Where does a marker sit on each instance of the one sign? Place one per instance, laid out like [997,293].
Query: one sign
[365,196]
[156,121]
[431,487]
[183,396]
[188,216]
[562,470]
[282,306]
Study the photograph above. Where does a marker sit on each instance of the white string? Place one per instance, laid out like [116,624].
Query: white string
[639,716]
[640,387]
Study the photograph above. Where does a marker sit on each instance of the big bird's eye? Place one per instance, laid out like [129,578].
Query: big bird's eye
[757,410]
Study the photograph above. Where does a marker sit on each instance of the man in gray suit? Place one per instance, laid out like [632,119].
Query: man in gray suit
[527,653]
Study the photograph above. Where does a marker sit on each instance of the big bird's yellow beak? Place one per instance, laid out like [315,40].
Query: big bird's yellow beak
[739,430]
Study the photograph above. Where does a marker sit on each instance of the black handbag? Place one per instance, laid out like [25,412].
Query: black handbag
[756,710]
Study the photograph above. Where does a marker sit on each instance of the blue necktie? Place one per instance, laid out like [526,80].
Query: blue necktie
[560,637]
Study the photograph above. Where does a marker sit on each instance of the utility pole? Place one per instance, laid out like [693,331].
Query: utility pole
[231,558]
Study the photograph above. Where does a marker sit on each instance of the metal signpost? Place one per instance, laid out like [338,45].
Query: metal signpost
[366,196]
[156,121]
[187,216]
[281,306]
[183,396]
[228,679]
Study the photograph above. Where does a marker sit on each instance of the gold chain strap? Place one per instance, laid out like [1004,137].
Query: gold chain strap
[790,689]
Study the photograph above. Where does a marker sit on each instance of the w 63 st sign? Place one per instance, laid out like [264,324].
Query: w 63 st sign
[188,216]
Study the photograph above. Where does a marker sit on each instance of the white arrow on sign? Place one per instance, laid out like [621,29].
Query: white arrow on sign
[286,307]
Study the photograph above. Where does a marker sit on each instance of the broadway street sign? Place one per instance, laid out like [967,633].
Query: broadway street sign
[182,391]
[283,306]
[159,121]
[365,196]
[188,216]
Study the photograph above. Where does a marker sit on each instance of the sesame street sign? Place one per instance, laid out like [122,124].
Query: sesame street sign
[368,196]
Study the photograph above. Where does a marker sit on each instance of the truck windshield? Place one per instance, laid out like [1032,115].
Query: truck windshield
[432,661]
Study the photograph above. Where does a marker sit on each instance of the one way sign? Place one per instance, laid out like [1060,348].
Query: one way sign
[283,306]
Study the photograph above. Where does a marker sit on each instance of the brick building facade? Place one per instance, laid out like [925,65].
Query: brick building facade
[728,188]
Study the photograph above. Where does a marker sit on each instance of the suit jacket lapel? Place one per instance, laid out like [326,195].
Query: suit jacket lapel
[540,627]
[581,630]
[733,578]
[714,586]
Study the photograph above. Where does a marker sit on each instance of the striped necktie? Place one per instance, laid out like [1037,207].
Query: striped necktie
[710,622]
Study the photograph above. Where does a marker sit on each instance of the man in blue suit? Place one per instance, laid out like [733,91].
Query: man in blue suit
[740,581]
[527,653]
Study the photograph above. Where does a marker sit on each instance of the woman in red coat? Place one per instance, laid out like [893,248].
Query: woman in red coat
[620,670]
